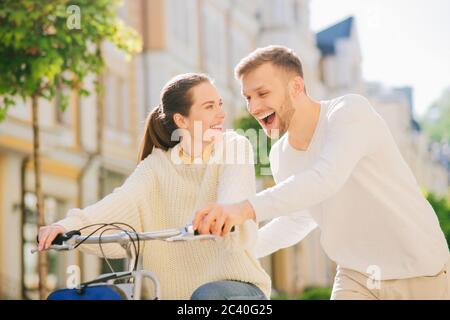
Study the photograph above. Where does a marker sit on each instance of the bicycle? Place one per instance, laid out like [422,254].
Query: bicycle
[132,289]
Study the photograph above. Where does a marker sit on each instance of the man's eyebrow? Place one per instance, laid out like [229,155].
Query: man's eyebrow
[259,88]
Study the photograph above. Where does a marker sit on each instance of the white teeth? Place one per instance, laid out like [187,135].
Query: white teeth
[264,115]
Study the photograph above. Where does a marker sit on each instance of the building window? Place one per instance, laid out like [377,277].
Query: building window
[63,117]
[110,181]
[295,12]
[53,212]
[214,35]
[110,100]
[117,103]
[180,22]
[21,109]
[124,117]
[122,11]
[276,13]
[240,47]
[280,12]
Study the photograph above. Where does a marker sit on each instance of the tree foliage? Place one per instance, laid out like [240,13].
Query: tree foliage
[436,121]
[49,44]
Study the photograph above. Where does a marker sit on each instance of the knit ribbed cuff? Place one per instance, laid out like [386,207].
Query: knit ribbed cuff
[71,222]
[261,208]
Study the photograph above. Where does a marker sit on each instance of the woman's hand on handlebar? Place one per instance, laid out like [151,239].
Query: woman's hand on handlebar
[47,234]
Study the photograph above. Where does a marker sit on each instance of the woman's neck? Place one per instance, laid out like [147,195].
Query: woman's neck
[194,149]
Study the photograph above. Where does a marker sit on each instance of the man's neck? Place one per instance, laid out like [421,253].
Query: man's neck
[304,122]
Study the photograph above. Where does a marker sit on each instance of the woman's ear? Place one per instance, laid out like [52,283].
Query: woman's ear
[180,121]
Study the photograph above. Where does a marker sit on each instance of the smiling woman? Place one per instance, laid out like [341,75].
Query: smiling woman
[177,103]
[205,120]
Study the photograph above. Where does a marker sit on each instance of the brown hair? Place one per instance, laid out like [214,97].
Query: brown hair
[279,56]
[176,97]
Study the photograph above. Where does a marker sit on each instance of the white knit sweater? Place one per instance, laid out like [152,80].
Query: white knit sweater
[162,194]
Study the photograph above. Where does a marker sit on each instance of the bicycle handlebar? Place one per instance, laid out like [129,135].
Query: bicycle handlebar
[69,240]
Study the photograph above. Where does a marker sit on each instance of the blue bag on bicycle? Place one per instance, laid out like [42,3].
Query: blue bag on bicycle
[95,292]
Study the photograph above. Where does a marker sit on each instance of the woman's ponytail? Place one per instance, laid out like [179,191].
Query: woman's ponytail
[155,134]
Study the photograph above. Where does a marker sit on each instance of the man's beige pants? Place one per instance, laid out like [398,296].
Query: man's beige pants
[353,285]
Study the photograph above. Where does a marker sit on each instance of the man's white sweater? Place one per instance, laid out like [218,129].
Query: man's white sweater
[354,184]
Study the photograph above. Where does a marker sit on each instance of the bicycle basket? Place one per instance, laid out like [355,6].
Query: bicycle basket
[93,292]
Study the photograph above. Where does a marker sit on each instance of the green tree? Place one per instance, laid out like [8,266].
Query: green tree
[441,206]
[249,126]
[316,293]
[48,45]
[436,121]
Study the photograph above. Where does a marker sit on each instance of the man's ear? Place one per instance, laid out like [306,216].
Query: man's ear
[297,86]
[180,121]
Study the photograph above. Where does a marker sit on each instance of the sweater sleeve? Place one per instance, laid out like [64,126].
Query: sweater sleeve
[350,134]
[283,232]
[237,183]
[125,205]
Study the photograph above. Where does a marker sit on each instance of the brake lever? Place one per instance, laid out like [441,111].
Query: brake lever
[188,233]
[59,243]
[58,247]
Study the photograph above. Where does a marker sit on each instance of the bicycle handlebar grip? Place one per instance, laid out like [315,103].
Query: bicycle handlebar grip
[196,233]
[60,238]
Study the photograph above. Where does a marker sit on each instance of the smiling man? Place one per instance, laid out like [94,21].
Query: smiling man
[338,168]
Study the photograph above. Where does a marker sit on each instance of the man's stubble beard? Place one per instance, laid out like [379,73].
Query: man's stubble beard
[285,115]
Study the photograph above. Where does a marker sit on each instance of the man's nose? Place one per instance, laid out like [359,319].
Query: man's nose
[253,108]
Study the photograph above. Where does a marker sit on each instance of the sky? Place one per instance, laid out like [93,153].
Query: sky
[403,42]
